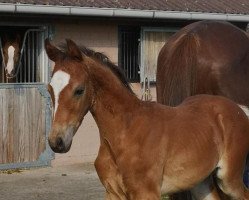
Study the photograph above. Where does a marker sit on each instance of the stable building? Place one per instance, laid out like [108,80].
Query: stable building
[130,33]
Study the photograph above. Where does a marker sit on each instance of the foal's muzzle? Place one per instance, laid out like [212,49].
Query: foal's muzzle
[59,145]
[60,142]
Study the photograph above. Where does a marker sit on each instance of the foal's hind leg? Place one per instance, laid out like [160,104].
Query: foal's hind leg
[206,190]
[230,177]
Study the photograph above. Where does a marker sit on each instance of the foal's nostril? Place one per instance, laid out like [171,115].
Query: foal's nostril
[59,143]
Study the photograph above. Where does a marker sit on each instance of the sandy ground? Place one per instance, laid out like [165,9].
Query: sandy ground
[71,182]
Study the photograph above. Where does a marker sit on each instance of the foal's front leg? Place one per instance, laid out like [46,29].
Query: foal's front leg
[108,175]
[142,182]
[142,189]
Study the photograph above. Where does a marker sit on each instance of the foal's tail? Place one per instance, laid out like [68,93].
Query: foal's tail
[177,69]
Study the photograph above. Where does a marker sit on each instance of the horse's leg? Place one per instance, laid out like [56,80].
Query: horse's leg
[108,175]
[206,190]
[230,176]
[144,195]
[111,195]
[141,187]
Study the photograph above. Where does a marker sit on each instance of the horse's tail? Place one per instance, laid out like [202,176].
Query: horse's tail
[177,69]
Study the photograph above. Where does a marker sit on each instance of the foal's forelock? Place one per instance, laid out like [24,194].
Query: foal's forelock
[10,62]
[58,82]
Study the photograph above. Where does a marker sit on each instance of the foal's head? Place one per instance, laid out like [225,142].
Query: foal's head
[11,53]
[79,75]
[70,93]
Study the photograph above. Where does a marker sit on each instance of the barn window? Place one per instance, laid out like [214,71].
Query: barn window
[128,52]
[138,51]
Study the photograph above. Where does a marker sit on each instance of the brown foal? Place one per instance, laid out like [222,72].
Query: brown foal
[147,148]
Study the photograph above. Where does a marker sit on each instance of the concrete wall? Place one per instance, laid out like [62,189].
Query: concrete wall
[102,37]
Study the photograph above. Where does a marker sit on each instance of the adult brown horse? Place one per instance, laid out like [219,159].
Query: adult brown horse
[205,57]
[10,54]
[146,148]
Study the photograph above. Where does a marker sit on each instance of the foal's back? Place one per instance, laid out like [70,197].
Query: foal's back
[207,116]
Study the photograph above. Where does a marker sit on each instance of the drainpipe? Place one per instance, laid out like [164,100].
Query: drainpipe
[115,12]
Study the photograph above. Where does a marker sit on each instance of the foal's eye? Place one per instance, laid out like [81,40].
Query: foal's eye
[78,92]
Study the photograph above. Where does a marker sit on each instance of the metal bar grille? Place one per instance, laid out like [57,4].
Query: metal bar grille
[128,52]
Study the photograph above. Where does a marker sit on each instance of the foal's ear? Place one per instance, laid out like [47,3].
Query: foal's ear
[53,53]
[73,50]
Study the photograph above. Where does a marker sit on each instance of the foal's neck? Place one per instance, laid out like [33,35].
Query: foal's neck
[114,104]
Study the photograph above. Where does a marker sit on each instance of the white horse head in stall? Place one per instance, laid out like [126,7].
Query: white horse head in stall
[11,50]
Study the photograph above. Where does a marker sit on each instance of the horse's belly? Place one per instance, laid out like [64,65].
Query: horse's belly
[185,172]
[169,185]
[172,184]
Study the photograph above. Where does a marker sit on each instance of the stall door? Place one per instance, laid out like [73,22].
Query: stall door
[25,116]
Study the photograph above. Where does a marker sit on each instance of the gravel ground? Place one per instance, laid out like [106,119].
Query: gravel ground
[72,182]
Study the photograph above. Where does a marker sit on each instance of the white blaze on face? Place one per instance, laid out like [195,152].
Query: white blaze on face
[10,62]
[58,82]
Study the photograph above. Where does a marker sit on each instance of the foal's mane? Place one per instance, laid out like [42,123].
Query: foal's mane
[104,60]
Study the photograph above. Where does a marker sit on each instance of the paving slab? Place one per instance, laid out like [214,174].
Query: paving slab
[70,182]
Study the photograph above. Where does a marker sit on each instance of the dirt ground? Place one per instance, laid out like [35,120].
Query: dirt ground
[71,182]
